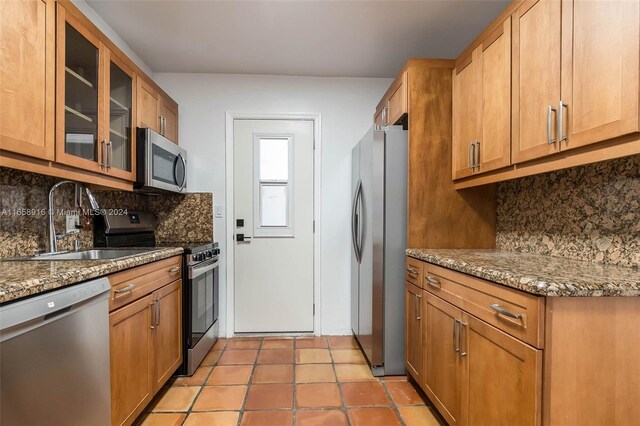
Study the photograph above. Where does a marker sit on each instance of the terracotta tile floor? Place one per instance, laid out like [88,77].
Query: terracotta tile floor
[304,381]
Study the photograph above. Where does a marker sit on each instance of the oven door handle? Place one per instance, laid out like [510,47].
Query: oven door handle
[196,271]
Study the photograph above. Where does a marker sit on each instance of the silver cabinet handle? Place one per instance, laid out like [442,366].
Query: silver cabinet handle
[472,148]
[158,314]
[561,135]
[174,270]
[126,289]
[499,309]
[462,328]
[153,314]
[385,116]
[550,111]
[418,313]
[109,154]
[160,120]
[456,333]
[103,150]
[433,282]
[412,272]
[476,154]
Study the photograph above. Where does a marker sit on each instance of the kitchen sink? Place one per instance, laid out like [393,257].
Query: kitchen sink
[91,254]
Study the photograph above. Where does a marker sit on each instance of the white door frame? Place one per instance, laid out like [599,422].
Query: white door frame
[230,214]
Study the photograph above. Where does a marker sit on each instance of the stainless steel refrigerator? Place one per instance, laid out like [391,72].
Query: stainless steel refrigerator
[378,235]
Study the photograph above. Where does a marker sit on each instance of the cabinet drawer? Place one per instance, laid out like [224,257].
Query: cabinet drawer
[134,283]
[414,271]
[514,312]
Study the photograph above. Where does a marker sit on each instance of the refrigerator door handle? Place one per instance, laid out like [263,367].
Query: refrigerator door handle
[361,223]
[355,225]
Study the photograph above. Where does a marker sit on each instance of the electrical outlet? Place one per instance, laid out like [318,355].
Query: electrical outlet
[72,222]
[219,212]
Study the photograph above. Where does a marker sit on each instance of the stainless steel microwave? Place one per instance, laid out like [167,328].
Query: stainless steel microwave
[161,165]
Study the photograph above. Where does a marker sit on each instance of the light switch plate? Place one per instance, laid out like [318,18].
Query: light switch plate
[72,220]
[219,212]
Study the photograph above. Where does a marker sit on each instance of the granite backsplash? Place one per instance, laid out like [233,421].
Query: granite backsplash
[23,218]
[588,213]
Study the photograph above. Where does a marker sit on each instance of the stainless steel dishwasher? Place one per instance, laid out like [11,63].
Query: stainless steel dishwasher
[54,358]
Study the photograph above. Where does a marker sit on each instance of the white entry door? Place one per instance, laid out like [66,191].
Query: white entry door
[273,206]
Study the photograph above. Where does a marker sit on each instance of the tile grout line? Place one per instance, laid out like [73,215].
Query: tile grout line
[344,403]
[393,402]
[295,410]
[249,384]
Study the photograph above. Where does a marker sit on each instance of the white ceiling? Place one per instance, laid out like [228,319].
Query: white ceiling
[306,38]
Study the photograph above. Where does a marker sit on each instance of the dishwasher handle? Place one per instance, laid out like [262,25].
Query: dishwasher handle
[23,316]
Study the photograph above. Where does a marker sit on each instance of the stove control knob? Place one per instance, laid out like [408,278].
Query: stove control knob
[209,253]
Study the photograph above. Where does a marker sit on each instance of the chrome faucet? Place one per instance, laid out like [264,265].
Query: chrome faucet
[53,236]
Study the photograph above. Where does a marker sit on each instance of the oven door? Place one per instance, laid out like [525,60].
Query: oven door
[202,306]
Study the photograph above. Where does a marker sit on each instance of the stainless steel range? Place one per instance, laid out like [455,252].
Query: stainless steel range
[200,280]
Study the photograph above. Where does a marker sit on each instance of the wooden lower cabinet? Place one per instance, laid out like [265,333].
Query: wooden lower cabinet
[578,365]
[413,331]
[168,333]
[145,341]
[443,367]
[131,338]
[476,374]
[502,376]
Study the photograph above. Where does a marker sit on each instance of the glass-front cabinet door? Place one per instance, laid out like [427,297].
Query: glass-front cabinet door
[120,140]
[95,105]
[79,80]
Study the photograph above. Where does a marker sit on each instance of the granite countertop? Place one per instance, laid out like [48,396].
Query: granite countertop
[537,274]
[22,278]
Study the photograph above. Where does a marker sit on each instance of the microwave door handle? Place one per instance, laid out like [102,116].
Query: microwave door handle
[175,175]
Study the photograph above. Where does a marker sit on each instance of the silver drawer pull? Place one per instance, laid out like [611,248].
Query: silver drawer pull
[127,289]
[504,312]
[174,270]
[412,272]
[433,282]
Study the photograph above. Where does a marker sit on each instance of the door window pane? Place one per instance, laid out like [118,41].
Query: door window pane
[274,159]
[273,205]
[273,186]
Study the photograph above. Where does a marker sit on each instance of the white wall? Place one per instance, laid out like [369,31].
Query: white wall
[102,25]
[346,107]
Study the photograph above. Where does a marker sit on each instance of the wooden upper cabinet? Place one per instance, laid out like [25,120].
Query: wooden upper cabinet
[378,119]
[148,106]
[157,112]
[121,110]
[169,114]
[536,79]
[95,102]
[465,115]
[80,107]
[494,143]
[413,331]
[397,103]
[600,70]
[27,77]
[394,106]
